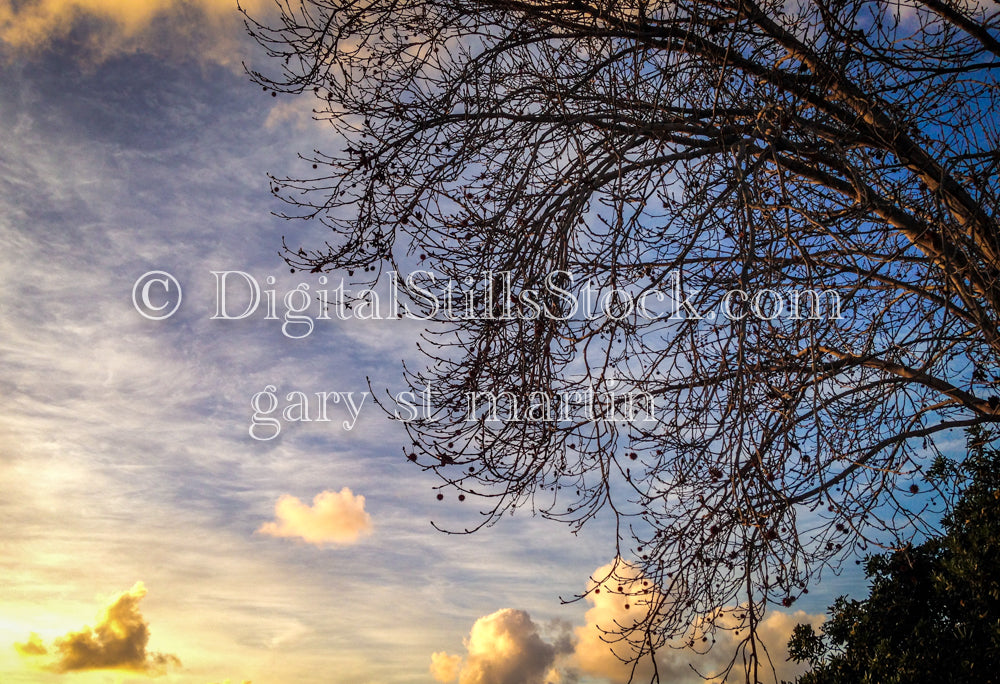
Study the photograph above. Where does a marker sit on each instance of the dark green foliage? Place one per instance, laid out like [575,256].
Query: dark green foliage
[933,611]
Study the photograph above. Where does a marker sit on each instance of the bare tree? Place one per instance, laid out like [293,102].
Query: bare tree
[737,161]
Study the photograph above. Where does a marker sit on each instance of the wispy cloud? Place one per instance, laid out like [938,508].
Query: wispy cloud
[123,446]
[124,450]
[116,26]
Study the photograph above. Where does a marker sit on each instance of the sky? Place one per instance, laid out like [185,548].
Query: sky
[146,534]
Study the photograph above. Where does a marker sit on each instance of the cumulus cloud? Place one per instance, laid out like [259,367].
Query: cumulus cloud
[334,518]
[445,668]
[122,25]
[502,648]
[506,647]
[621,595]
[117,642]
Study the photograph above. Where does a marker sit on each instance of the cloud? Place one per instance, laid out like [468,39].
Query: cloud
[506,647]
[297,112]
[334,518]
[118,642]
[620,596]
[445,668]
[503,648]
[623,596]
[113,26]
[32,647]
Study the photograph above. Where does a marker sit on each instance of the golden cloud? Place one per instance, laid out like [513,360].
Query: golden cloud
[624,596]
[445,668]
[506,647]
[621,596]
[113,26]
[117,642]
[334,518]
[32,647]
[503,648]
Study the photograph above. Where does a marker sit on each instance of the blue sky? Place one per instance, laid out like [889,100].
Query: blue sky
[132,141]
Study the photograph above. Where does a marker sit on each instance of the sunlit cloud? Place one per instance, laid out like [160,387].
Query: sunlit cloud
[113,26]
[32,647]
[507,647]
[117,642]
[334,518]
[444,667]
[621,595]
[502,648]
